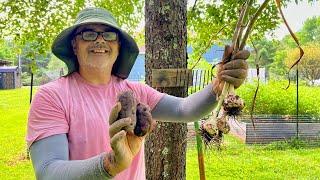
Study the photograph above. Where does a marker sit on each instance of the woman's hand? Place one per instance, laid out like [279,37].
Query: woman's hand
[125,145]
[233,72]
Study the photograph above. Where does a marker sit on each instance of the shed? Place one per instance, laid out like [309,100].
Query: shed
[10,77]
[4,62]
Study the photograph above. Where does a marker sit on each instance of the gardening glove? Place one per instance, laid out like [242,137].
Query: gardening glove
[234,71]
[125,146]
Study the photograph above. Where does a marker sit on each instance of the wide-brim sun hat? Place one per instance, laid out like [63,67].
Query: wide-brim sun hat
[128,53]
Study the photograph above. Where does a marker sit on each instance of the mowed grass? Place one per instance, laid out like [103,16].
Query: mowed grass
[14,105]
[234,161]
[239,161]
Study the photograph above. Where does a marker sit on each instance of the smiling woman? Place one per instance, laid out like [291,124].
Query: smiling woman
[74,127]
[128,52]
[96,48]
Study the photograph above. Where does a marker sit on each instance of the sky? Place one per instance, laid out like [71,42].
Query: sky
[295,15]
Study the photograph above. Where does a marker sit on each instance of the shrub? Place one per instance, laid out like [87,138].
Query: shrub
[272,98]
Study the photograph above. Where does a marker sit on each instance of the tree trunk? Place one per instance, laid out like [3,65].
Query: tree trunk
[166,43]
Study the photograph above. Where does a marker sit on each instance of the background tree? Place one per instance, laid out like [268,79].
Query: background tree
[35,24]
[310,31]
[213,22]
[166,42]
[278,69]
[309,34]
[39,21]
[266,51]
[7,51]
[309,66]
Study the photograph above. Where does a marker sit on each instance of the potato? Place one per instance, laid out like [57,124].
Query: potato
[128,108]
[144,120]
[138,112]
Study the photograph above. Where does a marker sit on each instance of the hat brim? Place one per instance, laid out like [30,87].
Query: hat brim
[62,48]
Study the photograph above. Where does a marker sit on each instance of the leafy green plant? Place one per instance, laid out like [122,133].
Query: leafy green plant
[272,98]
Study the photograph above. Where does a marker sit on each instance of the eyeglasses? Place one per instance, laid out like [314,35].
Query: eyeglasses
[93,35]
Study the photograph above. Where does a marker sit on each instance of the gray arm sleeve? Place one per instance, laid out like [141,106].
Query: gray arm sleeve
[191,108]
[50,159]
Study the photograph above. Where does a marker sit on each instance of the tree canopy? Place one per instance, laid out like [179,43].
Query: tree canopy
[310,32]
[286,49]
[37,22]
[214,22]
[41,20]
[6,51]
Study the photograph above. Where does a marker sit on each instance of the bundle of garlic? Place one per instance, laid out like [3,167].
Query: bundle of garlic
[212,129]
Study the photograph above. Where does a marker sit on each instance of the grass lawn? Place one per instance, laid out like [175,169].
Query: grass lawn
[14,105]
[235,161]
[238,161]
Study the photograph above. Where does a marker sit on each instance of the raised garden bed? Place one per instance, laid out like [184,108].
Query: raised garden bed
[270,128]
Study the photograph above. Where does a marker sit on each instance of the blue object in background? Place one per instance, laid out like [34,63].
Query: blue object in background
[138,70]
[212,56]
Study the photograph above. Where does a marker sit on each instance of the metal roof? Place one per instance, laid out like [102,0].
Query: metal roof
[8,68]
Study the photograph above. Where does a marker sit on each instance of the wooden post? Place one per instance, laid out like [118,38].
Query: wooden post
[171,77]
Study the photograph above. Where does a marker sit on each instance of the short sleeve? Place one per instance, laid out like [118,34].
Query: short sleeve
[146,94]
[46,116]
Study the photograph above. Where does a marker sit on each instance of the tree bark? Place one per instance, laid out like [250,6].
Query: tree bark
[166,44]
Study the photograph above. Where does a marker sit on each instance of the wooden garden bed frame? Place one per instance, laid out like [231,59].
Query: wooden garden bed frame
[271,128]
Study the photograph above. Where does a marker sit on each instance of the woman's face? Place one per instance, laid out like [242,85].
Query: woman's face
[98,53]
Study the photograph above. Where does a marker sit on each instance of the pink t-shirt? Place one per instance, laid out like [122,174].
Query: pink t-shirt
[81,110]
